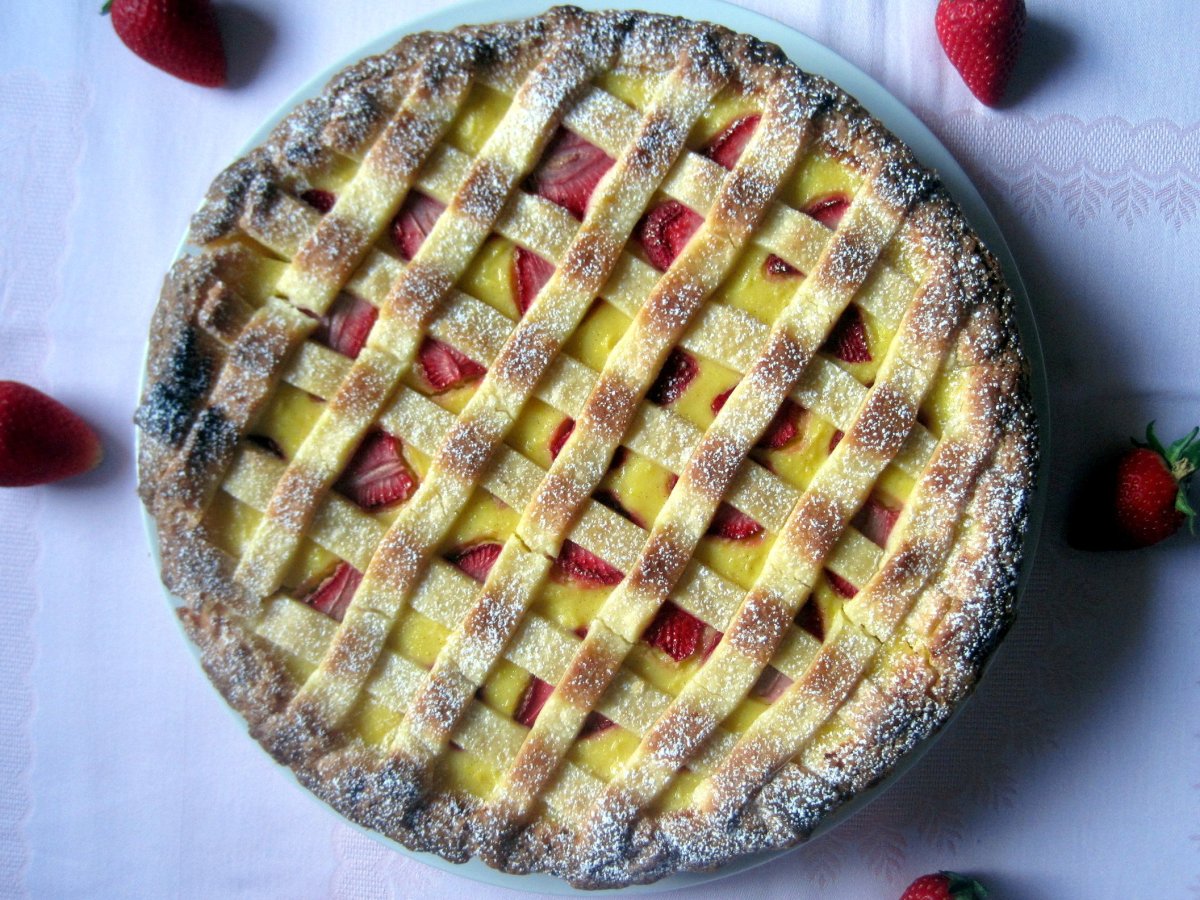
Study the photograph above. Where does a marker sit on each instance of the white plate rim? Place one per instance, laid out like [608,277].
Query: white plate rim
[811,56]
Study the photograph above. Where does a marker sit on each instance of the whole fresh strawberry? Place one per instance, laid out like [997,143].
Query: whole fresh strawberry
[982,38]
[40,439]
[944,886]
[177,36]
[1136,498]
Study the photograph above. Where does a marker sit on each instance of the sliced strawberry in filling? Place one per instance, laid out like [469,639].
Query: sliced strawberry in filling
[665,231]
[529,275]
[569,171]
[727,147]
[778,268]
[733,524]
[346,326]
[320,200]
[783,428]
[770,685]
[413,223]
[594,724]
[378,474]
[673,378]
[848,340]
[840,584]
[444,367]
[809,618]
[535,697]
[829,210]
[606,497]
[876,520]
[559,439]
[586,567]
[475,560]
[835,439]
[333,595]
[674,631]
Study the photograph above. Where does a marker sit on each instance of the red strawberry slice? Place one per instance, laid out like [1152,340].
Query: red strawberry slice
[333,595]
[178,36]
[840,584]
[346,326]
[674,631]
[413,223]
[476,560]
[41,440]
[809,618]
[727,147]
[848,340]
[835,439]
[674,377]
[770,685]
[586,567]
[733,524]
[665,231]
[445,367]
[778,269]
[535,697]
[828,210]
[320,200]
[559,439]
[875,520]
[569,171]
[608,498]
[594,724]
[529,275]
[378,475]
[783,427]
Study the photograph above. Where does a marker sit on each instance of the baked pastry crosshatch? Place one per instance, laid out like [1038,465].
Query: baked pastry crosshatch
[588,443]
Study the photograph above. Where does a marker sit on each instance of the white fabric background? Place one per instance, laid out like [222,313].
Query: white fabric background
[1073,773]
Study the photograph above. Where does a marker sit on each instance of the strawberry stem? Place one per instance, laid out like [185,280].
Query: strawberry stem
[106,8]
[1183,459]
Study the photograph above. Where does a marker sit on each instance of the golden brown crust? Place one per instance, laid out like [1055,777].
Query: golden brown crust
[907,649]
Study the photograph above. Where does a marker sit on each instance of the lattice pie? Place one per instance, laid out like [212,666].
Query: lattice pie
[588,443]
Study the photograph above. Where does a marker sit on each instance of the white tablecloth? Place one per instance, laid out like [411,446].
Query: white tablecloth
[1073,773]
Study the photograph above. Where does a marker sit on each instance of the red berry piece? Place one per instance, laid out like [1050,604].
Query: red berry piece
[664,232]
[733,524]
[535,697]
[559,439]
[1137,498]
[334,593]
[982,39]
[529,274]
[594,724]
[810,619]
[569,171]
[413,223]
[944,886]
[443,367]
[178,36]
[828,210]
[726,148]
[476,560]
[876,520]
[835,439]
[41,440]
[673,378]
[346,326]
[585,567]
[378,475]
[840,584]
[783,428]
[770,685]
[848,340]
[320,200]
[777,269]
[674,631]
